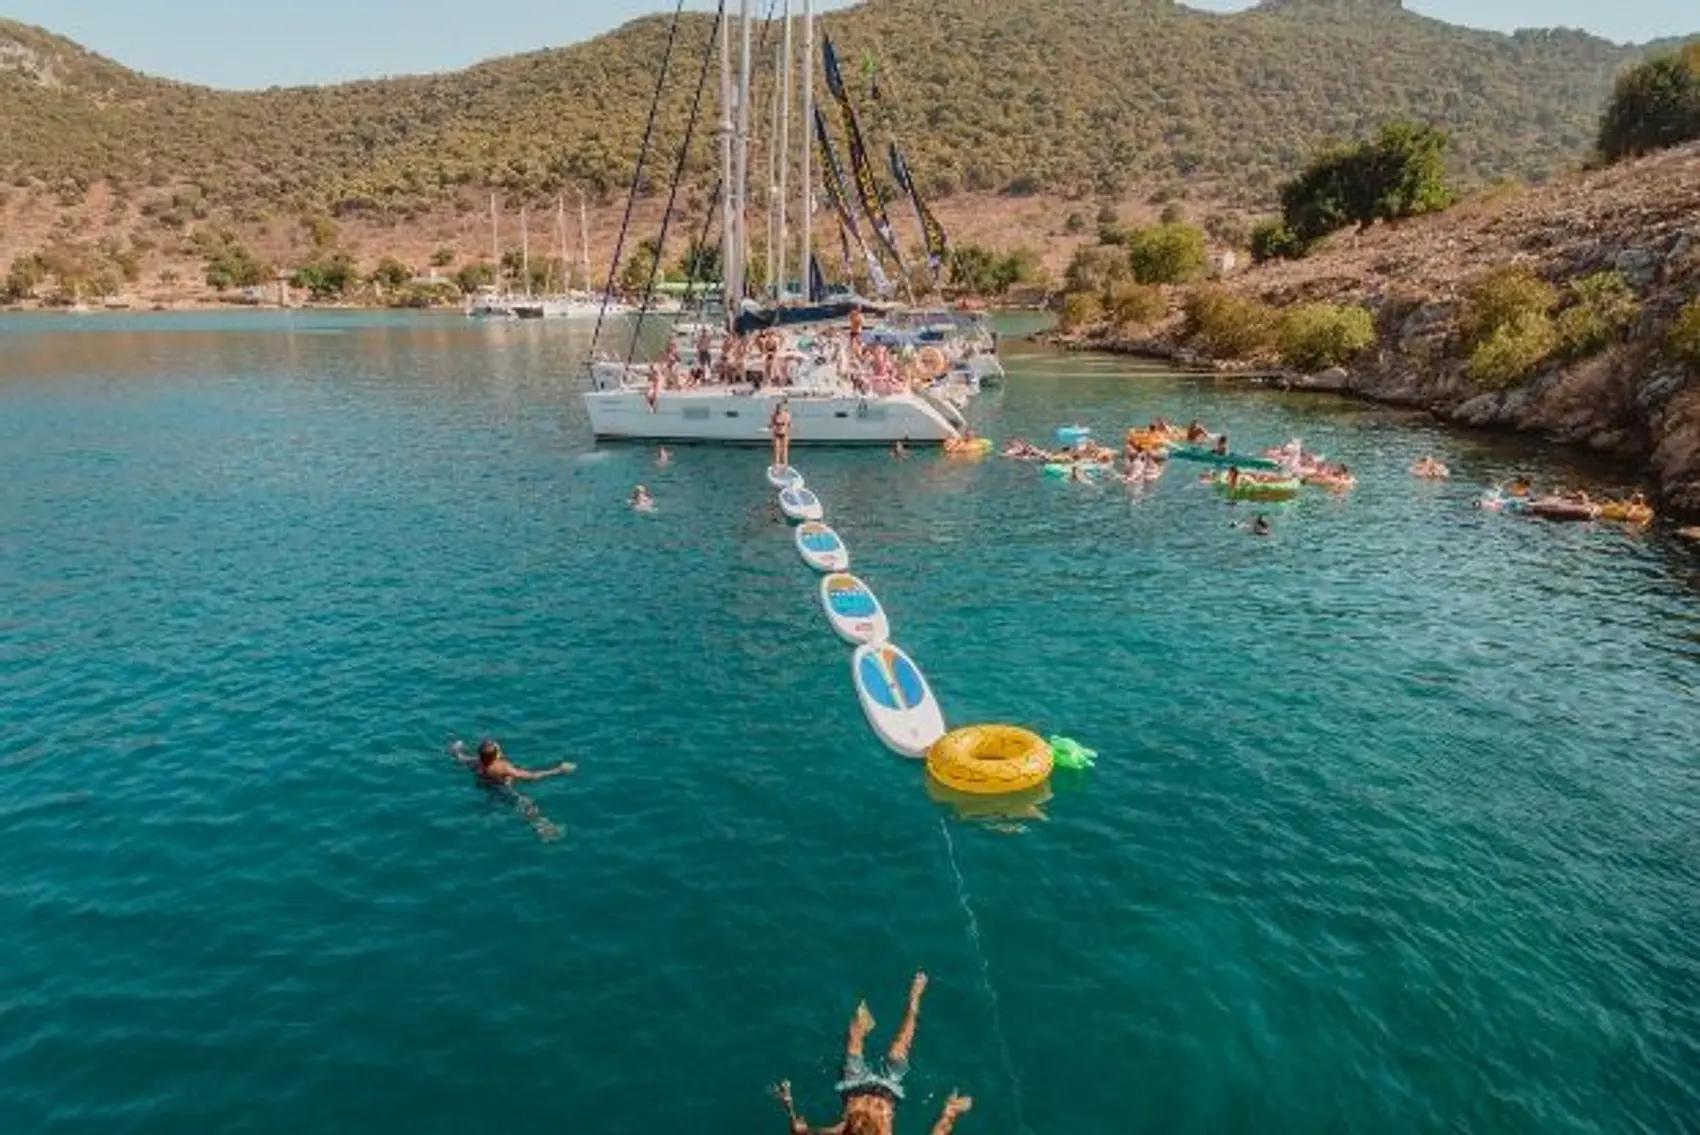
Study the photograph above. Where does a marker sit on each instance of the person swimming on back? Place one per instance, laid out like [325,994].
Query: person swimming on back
[493,767]
[871,1098]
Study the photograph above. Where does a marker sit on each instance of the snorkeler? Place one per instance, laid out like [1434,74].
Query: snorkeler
[870,1098]
[493,767]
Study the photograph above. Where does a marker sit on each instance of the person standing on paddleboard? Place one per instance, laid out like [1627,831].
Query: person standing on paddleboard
[780,426]
[870,1098]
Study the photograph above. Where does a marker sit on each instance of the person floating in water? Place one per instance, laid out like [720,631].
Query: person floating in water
[493,767]
[900,451]
[1259,526]
[641,500]
[662,457]
[780,426]
[1222,446]
[871,1098]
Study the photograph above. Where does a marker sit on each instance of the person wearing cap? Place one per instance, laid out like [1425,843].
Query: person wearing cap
[492,765]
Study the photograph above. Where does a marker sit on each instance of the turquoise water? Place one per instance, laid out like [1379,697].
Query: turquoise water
[1394,825]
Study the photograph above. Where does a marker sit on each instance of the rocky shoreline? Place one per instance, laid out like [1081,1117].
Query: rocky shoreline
[1640,220]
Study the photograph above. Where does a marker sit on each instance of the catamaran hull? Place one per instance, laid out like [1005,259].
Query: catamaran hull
[741,419]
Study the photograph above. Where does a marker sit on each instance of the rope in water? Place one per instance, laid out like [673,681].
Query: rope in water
[985,975]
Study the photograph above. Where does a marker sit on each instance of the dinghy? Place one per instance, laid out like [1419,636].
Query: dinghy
[784,477]
[852,609]
[821,548]
[800,503]
[900,706]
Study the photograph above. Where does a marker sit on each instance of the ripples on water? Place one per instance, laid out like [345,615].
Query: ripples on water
[1393,827]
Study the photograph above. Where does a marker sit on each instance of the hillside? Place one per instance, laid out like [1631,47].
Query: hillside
[1639,221]
[1084,97]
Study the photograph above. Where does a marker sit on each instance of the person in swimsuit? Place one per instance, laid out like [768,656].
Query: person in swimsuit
[855,333]
[780,426]
[493,767]
[871,1098]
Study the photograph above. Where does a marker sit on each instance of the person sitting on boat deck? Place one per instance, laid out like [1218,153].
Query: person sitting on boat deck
[871,1098]
[1222,446]
[493,767]
[642,499]
[1196,432]
[780,425]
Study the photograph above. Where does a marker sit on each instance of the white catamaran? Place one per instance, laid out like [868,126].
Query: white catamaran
[833,396]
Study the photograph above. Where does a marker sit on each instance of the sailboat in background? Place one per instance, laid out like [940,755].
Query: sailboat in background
[494,301]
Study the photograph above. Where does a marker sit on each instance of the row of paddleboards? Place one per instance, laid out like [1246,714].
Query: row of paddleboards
[893,692]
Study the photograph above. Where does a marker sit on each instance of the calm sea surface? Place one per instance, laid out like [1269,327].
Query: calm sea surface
[1396,824]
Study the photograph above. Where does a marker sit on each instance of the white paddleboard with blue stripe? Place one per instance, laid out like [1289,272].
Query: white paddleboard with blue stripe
[852,609]
[821,547]
[896,698]
[784,477]
[800,503]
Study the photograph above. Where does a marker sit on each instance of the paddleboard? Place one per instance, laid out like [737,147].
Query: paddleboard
[852,609]
[784,477]
[799,503]
[821,548]
[896,698]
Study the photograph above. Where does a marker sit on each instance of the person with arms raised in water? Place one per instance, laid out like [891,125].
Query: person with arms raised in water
[870,1098]
[493,767]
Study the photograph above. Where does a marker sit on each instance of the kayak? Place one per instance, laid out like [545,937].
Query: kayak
[852,610]
[800,503]
[895,696]
[1208,456]
[821,548]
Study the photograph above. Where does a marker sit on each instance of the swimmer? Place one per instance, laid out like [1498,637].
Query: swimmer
[900,451]
[1196,431]
[662,457]
[641,500]
[493,767]
[871,1098]
[1222,446]
[1431,469]
[1258,526]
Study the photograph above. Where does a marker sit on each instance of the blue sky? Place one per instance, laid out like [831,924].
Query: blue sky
[253,43]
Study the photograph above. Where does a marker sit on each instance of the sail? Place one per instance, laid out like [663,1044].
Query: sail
[832,179]
[931,230]
[867,186]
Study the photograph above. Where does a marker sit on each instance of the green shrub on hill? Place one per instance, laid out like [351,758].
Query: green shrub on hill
[1508,327]
[1166,253]
[1079,311]
[1229,326]
[1134,306]
[1653,107]
[1400,173]
[1095,270]
[1273,240]
[1317,336]
[1603,308]
[1683,339]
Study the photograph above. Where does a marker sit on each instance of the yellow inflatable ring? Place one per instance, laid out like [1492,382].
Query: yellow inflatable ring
[990,760]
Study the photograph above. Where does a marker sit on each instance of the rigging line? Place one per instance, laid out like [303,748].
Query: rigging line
[985,975]
[673,190]
[637,174]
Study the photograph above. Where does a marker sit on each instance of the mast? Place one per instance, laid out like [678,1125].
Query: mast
[741,176]
[561,237]
[727,236]
[524,253]
[584,238]
[784,144]
[495,245]
[773,155]
[807,220]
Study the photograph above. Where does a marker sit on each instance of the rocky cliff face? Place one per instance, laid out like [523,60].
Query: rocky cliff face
[1641,219]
